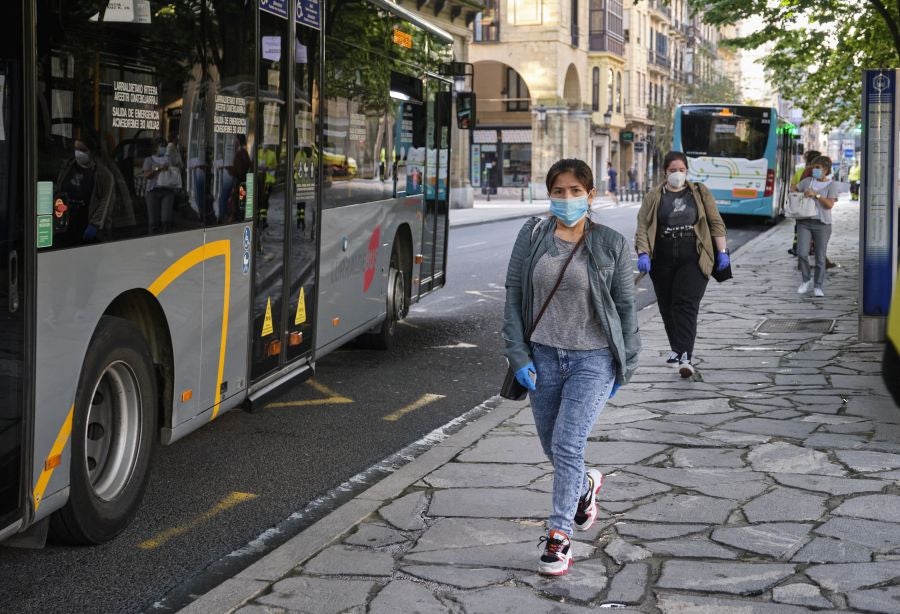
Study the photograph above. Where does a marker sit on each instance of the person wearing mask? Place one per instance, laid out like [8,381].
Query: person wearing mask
[801,173]
[162,170]
[680,239]
[85,194]
[571,335]
[817,230]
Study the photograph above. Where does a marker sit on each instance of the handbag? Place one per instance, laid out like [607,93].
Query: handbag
[723,275]
[169,178]
[511,388]
[799,207]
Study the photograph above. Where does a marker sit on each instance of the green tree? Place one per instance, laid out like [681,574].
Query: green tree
[818,47]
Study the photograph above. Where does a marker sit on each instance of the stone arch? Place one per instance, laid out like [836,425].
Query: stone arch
[572,88]
[501,89]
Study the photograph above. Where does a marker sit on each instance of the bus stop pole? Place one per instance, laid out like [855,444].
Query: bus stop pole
[878,201]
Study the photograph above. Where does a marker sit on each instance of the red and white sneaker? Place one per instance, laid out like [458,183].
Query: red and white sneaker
[586,514]
[557,557]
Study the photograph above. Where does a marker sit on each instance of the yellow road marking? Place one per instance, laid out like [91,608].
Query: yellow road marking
[228,502]
[62,437]
[331,398]
[422,402]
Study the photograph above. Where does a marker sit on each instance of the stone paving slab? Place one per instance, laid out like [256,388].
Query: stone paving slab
[767,483]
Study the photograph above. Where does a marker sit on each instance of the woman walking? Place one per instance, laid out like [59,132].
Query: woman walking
[680,239]
[816,230]
[571,337]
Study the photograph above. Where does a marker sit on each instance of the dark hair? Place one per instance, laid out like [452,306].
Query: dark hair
[579,168]
[242,139]
[671,157]
[811,155]
[823,161]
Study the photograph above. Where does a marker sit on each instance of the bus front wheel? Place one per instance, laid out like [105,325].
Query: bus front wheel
[113,434]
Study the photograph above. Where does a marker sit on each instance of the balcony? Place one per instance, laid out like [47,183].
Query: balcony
[658,61]
[603,40]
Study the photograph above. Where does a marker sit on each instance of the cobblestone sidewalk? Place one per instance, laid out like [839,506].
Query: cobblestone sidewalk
[768,483]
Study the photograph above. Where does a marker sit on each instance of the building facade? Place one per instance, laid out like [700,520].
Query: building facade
[592,79]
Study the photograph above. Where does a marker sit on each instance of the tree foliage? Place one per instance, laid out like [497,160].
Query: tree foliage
[818,48]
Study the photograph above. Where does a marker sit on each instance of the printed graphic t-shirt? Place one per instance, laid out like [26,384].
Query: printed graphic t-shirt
[677,209]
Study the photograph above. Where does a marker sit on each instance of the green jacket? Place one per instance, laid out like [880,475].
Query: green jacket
[612,292]
[709,224]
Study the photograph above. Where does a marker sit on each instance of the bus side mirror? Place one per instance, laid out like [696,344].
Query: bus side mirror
[465,110]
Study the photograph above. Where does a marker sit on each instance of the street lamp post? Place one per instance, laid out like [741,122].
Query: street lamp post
[607,120]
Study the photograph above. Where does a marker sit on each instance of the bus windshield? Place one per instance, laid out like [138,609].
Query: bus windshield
[725,132]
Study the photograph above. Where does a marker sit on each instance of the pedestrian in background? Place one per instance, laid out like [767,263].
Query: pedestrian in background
[824,191]
[632,179]
[571,335]
[612,176]
[801,173]
[680,239]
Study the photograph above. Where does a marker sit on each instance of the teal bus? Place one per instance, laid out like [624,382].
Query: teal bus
[743,154]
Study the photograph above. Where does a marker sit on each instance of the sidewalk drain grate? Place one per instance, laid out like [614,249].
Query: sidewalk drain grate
[774,325]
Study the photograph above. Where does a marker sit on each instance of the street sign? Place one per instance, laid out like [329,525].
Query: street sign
[878,227]
[638,147]
[627,136]
[848,153]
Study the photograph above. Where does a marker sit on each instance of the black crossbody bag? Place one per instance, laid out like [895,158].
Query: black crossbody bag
[511,388]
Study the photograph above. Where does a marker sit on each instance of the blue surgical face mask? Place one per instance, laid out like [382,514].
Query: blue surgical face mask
[817,173]
[569,210]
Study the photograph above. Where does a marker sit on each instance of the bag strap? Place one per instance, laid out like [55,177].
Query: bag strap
[556,286]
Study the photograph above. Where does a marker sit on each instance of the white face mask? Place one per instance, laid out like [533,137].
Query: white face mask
[676,179]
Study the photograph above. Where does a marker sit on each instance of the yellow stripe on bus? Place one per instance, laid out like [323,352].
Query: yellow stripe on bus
[183,264]
[62,438]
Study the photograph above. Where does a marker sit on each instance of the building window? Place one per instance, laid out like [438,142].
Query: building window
[574,21]
[516,92]
[609,89]
[618,92]
[526,12]
[487,22]
[605,26]
[595,90]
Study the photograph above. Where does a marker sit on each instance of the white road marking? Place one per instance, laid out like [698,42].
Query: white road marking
[472,245]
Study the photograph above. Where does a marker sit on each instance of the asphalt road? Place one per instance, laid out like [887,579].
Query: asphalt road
[237,488]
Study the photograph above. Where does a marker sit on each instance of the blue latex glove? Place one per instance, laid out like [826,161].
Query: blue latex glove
[644,263]
[722,260]
[527,376]
[615,387]
[90,233]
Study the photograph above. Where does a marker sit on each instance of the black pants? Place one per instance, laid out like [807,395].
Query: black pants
[679,285]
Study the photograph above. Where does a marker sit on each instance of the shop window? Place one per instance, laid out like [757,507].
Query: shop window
[516,164]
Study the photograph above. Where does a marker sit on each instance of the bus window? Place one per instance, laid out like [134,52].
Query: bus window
[142,111]
[728,136]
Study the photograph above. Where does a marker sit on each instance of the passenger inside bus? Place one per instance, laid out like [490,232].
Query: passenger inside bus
[85,192]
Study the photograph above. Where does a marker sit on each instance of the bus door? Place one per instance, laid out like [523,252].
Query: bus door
[12,283]
[437,188]
[285,192]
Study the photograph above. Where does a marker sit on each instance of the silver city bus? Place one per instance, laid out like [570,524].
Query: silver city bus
[198,199]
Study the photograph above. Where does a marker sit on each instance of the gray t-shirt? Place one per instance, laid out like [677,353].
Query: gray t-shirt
[828,189]
[677,209]
[569,322]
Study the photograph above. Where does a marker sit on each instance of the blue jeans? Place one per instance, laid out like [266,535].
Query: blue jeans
[572,388]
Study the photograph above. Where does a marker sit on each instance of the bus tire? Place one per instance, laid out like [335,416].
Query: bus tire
[113,435]
[384,336]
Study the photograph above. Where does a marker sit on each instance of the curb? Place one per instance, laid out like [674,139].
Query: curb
[259,576]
